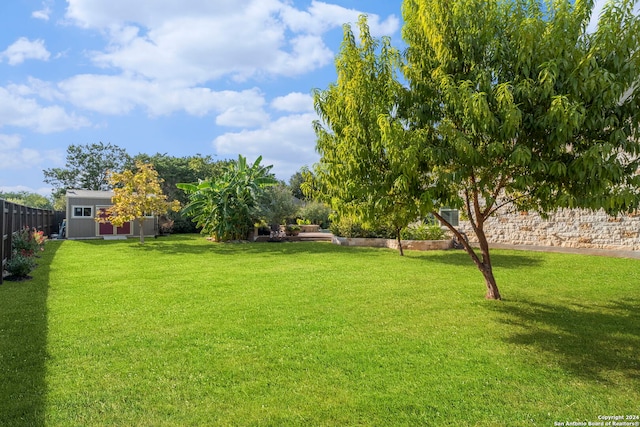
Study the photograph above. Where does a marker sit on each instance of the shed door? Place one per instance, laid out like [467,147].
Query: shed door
[125,229]
[108,229]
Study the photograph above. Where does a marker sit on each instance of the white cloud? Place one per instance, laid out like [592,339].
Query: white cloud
[118,95]
[43,13]
[200,41]
[286,143]
[113,95]
[294,102]
[242,117]
[321,17]
[307,53]
[200,49]
[9,142]
[20,111]
[14,156]
[595,15]
[35,87]
[103,14]
[23,49]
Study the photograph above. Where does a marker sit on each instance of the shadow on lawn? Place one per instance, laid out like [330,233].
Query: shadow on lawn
[23,345]
[178,245]
[585,340]
[264,248]
[197,244]
[509,260]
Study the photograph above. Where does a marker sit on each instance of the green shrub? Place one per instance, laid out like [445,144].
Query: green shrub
[19,266]
[423,231]
[351,227]
[316,213]
[182,224]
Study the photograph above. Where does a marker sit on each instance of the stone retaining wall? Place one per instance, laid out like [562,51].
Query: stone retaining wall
[573,228]
[416,245]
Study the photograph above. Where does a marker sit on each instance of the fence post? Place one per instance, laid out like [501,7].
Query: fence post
[3,237]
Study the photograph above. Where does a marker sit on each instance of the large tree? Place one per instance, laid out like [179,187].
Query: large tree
[518,104]
[298,183]
[137,195]
[532,109]
[87,168]
[370,166]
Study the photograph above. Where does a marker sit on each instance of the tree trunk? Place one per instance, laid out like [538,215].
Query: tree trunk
[141,226]
[492,287]
[483,265]
[399,241]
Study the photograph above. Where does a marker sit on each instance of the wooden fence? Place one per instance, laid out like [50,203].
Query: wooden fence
[14,217]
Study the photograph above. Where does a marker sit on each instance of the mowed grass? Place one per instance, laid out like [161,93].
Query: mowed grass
[182,331]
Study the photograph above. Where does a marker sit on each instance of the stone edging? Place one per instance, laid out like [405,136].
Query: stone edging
[415,245]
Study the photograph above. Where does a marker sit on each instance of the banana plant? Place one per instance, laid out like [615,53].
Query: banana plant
[224,207]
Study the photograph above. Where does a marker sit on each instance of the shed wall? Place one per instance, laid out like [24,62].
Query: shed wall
[87,227]
[84,227]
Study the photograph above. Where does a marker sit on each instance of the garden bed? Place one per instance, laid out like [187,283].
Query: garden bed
[417,245]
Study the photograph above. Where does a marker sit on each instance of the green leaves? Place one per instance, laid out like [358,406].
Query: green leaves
[137,193]
[507,101]
[371,163]
[226,206]
[530,95]
[87,167]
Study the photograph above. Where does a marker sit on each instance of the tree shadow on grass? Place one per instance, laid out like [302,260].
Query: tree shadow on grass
[23,345]
[263,248]
[588,341]
[183,244]
[508,260]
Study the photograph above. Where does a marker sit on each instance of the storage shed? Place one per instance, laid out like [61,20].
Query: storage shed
[83,206]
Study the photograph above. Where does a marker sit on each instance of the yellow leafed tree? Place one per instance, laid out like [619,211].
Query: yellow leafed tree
[137,194]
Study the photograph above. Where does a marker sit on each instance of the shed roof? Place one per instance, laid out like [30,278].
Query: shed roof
[90,194]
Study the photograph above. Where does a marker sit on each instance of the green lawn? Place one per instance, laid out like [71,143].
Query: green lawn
[185,332]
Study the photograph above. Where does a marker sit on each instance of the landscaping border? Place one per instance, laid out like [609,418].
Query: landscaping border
[415,245]
[14,217]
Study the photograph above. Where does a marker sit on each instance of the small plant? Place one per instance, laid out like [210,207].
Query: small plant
[28,241]
[19,266]
[292,230]
[301,221]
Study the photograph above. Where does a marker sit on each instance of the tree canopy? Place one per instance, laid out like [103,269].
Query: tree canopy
[87,168]
[509,103]
[26,198]
[371,167]
[277,204]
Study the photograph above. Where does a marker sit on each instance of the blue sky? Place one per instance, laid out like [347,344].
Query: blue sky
[214,77]
[178,77]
